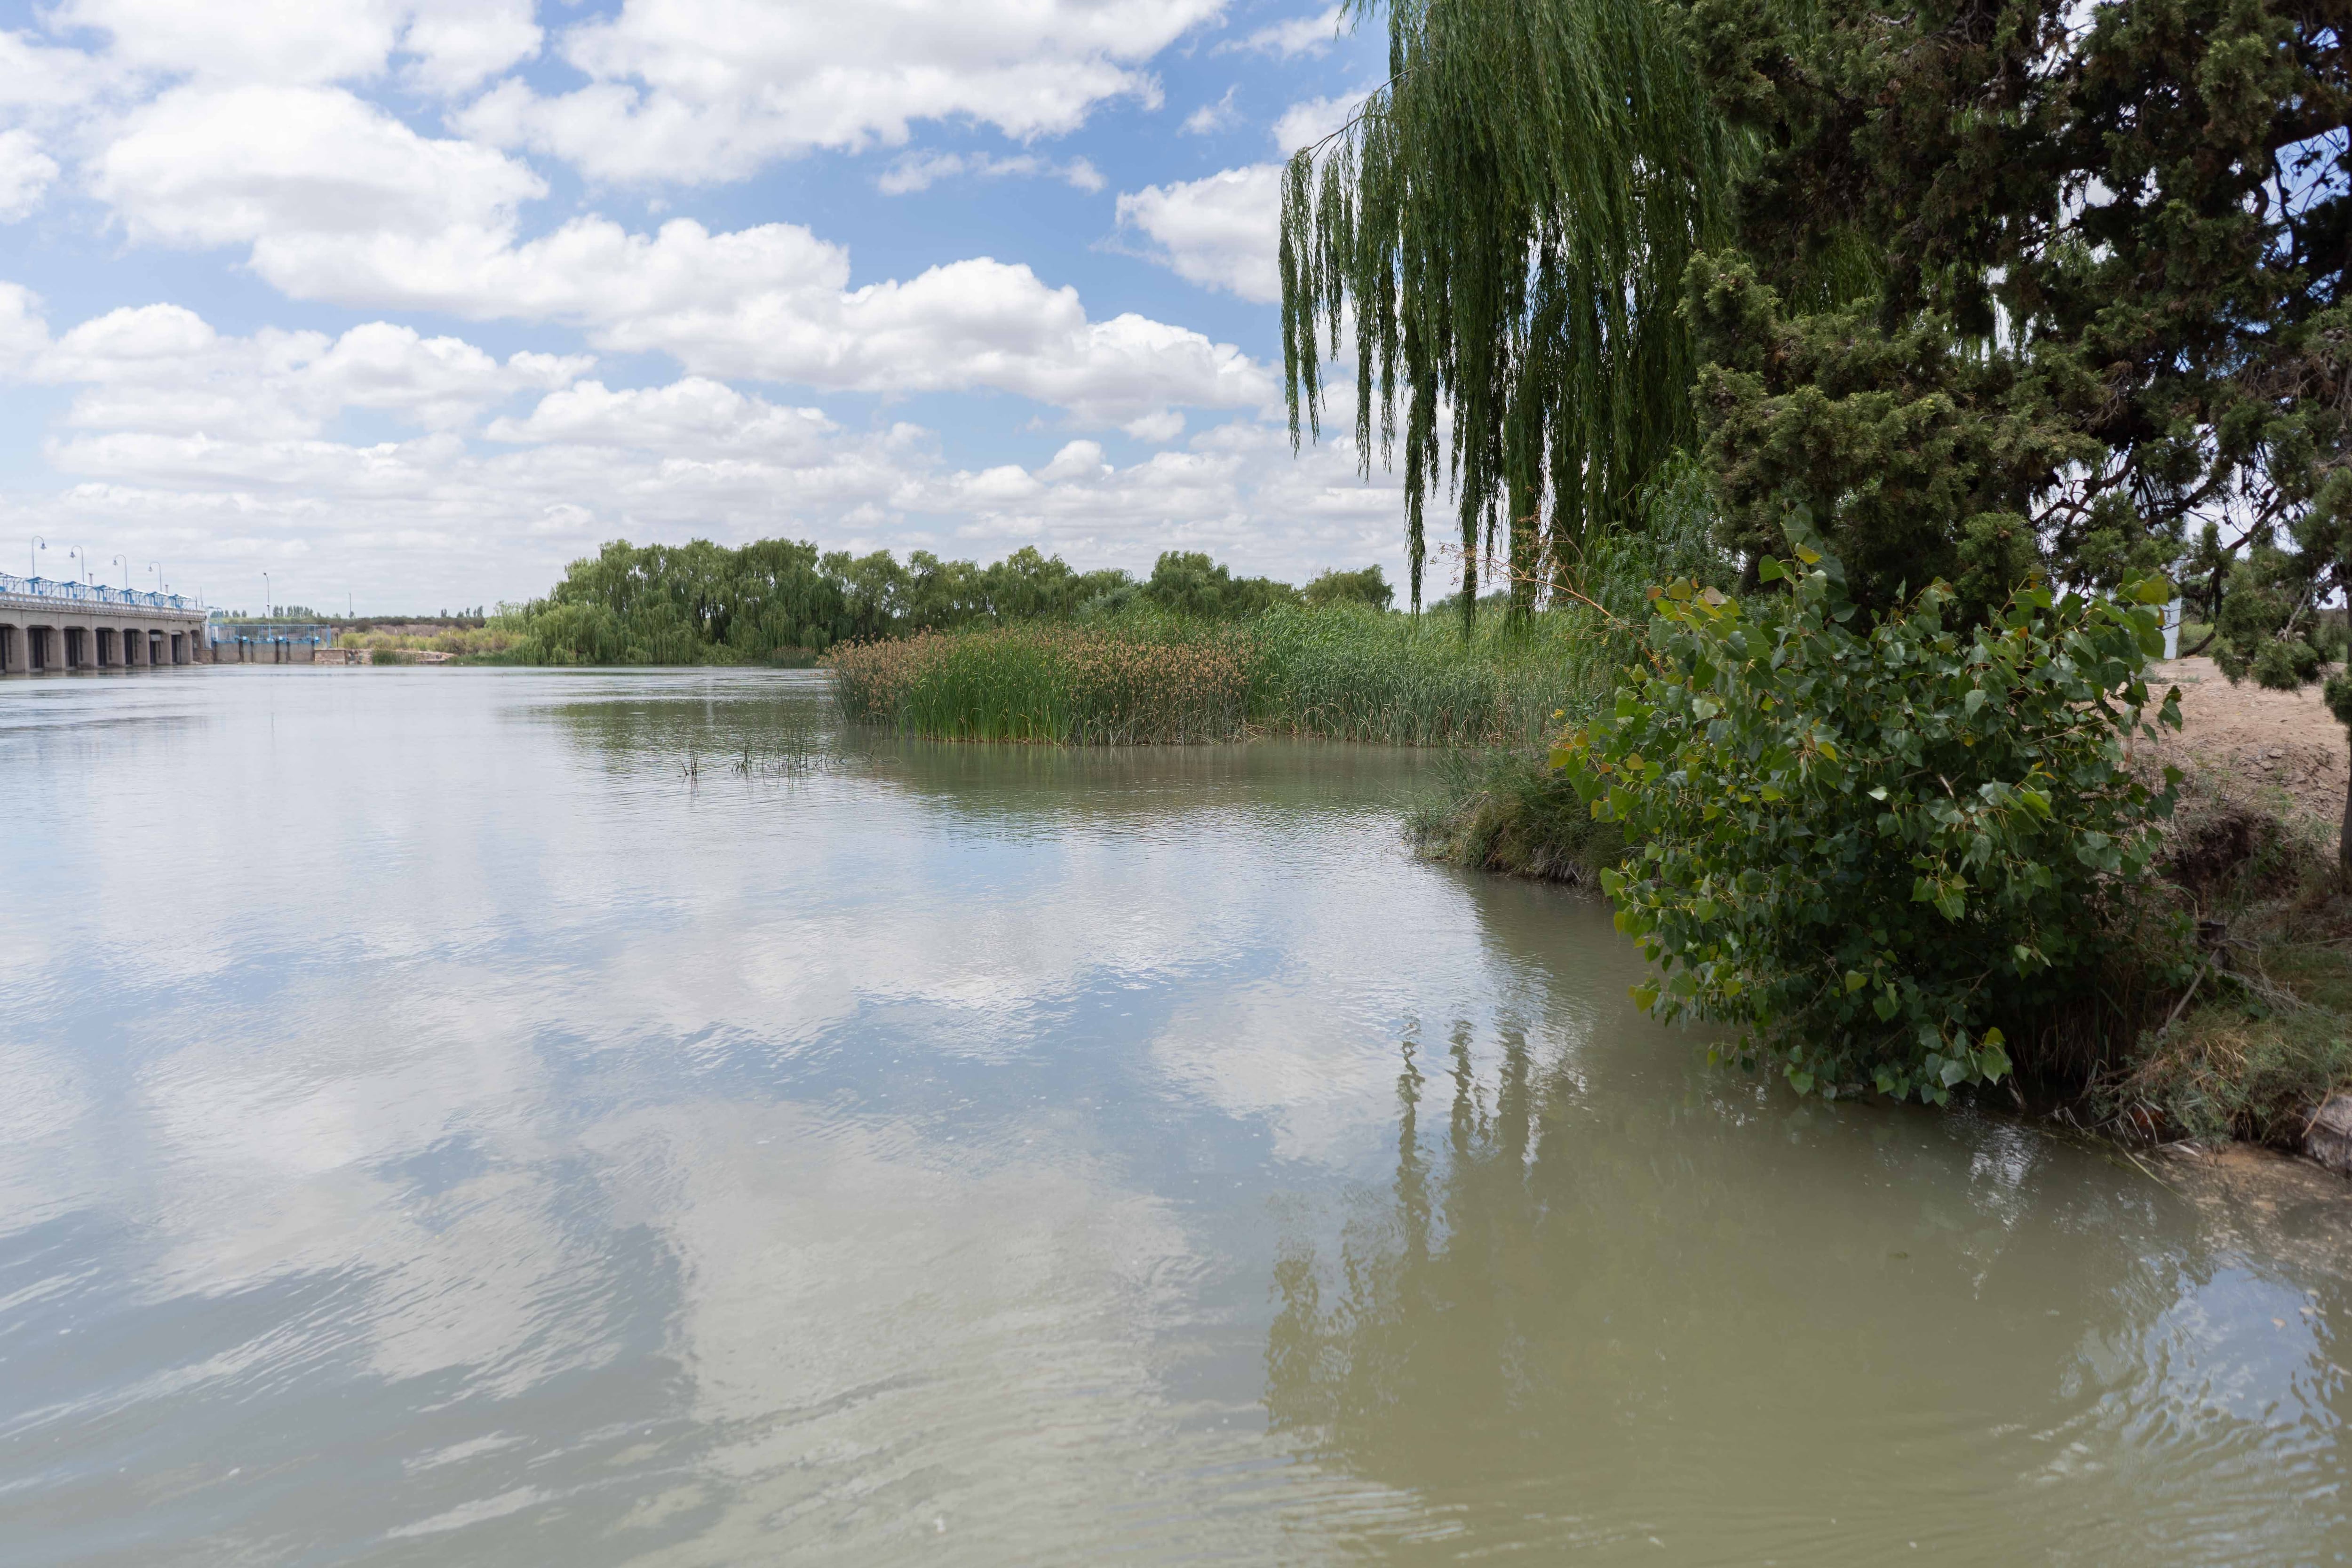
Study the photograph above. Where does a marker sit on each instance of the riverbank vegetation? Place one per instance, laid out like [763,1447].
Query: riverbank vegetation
[1343,671]
[779,601]
[492,641]
[1985,329]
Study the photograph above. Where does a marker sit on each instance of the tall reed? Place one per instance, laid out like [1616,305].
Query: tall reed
[1057,684]
[1342,672]
[1352,673]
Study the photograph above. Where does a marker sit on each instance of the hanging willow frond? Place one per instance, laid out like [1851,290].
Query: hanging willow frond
[1508,219]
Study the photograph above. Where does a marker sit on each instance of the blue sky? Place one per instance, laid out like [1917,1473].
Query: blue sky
[411,301]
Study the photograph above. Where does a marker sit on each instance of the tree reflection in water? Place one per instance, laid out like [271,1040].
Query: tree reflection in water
[1575,1317]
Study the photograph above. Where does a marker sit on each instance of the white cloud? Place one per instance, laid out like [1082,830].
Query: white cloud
[1158,427]
[450,44]
[252,132]
[24,174]
[773,304]
[1304,123]
[434,513]
[252,40]
[455,45]
[695,415]
[23,330]
[1211,118]
[1220,232]
[1079,460]
[39,79]
[1300,35]
[163,371]
[700,91]
[920,170]
[285,166]
[339,202]
[1223,231]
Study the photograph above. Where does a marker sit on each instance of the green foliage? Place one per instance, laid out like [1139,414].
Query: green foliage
[927,593]
[1869,842]
[1188,583]
[1979,288]
[697,603]
[1368,586]
[778,601]
[1918,453]
[2021,279]
[1507,218]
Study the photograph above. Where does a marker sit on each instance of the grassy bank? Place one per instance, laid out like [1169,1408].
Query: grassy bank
[2264,1034]
[1340,672]
[1503,809]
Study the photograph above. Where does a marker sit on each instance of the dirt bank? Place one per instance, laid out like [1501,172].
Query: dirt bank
[2282,752]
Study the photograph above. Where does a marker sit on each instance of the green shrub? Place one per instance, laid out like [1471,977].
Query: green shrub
[1869,846]
[1368,586]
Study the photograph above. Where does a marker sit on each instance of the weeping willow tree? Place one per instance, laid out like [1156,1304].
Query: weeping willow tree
[1505,226]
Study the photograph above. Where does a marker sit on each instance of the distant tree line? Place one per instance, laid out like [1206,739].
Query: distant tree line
[703,602]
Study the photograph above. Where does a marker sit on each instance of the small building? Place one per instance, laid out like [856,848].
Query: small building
[265,642]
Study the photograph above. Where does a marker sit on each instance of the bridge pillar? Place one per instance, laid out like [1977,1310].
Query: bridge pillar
[12,648]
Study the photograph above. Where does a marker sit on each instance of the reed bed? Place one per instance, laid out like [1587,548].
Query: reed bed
[1348,673]
[1059,685]
[1352,673]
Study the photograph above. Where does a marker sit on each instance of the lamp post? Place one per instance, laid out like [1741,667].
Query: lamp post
[265,596]
[124,562]
[151,566]
[82,555]
[34,555]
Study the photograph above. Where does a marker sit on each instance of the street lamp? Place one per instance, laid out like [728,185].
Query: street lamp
[34,555]
[124,562]
[265,597]
[151,566]
[78,553]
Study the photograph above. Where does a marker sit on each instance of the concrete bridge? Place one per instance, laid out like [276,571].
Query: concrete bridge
[48,628]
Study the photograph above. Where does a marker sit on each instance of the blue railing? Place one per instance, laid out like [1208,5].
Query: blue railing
[91,593]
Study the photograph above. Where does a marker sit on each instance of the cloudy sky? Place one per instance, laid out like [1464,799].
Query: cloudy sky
[408,302]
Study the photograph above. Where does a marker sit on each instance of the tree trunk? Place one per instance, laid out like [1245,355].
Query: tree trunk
[2344,843]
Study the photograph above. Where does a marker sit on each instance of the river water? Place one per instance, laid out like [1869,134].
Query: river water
[505,1117]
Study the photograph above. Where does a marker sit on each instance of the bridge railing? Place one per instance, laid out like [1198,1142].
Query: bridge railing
[91,593]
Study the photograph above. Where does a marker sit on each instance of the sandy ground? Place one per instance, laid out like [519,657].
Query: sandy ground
[2280,749]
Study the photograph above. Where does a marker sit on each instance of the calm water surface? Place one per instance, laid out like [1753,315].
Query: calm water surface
[497,1117]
